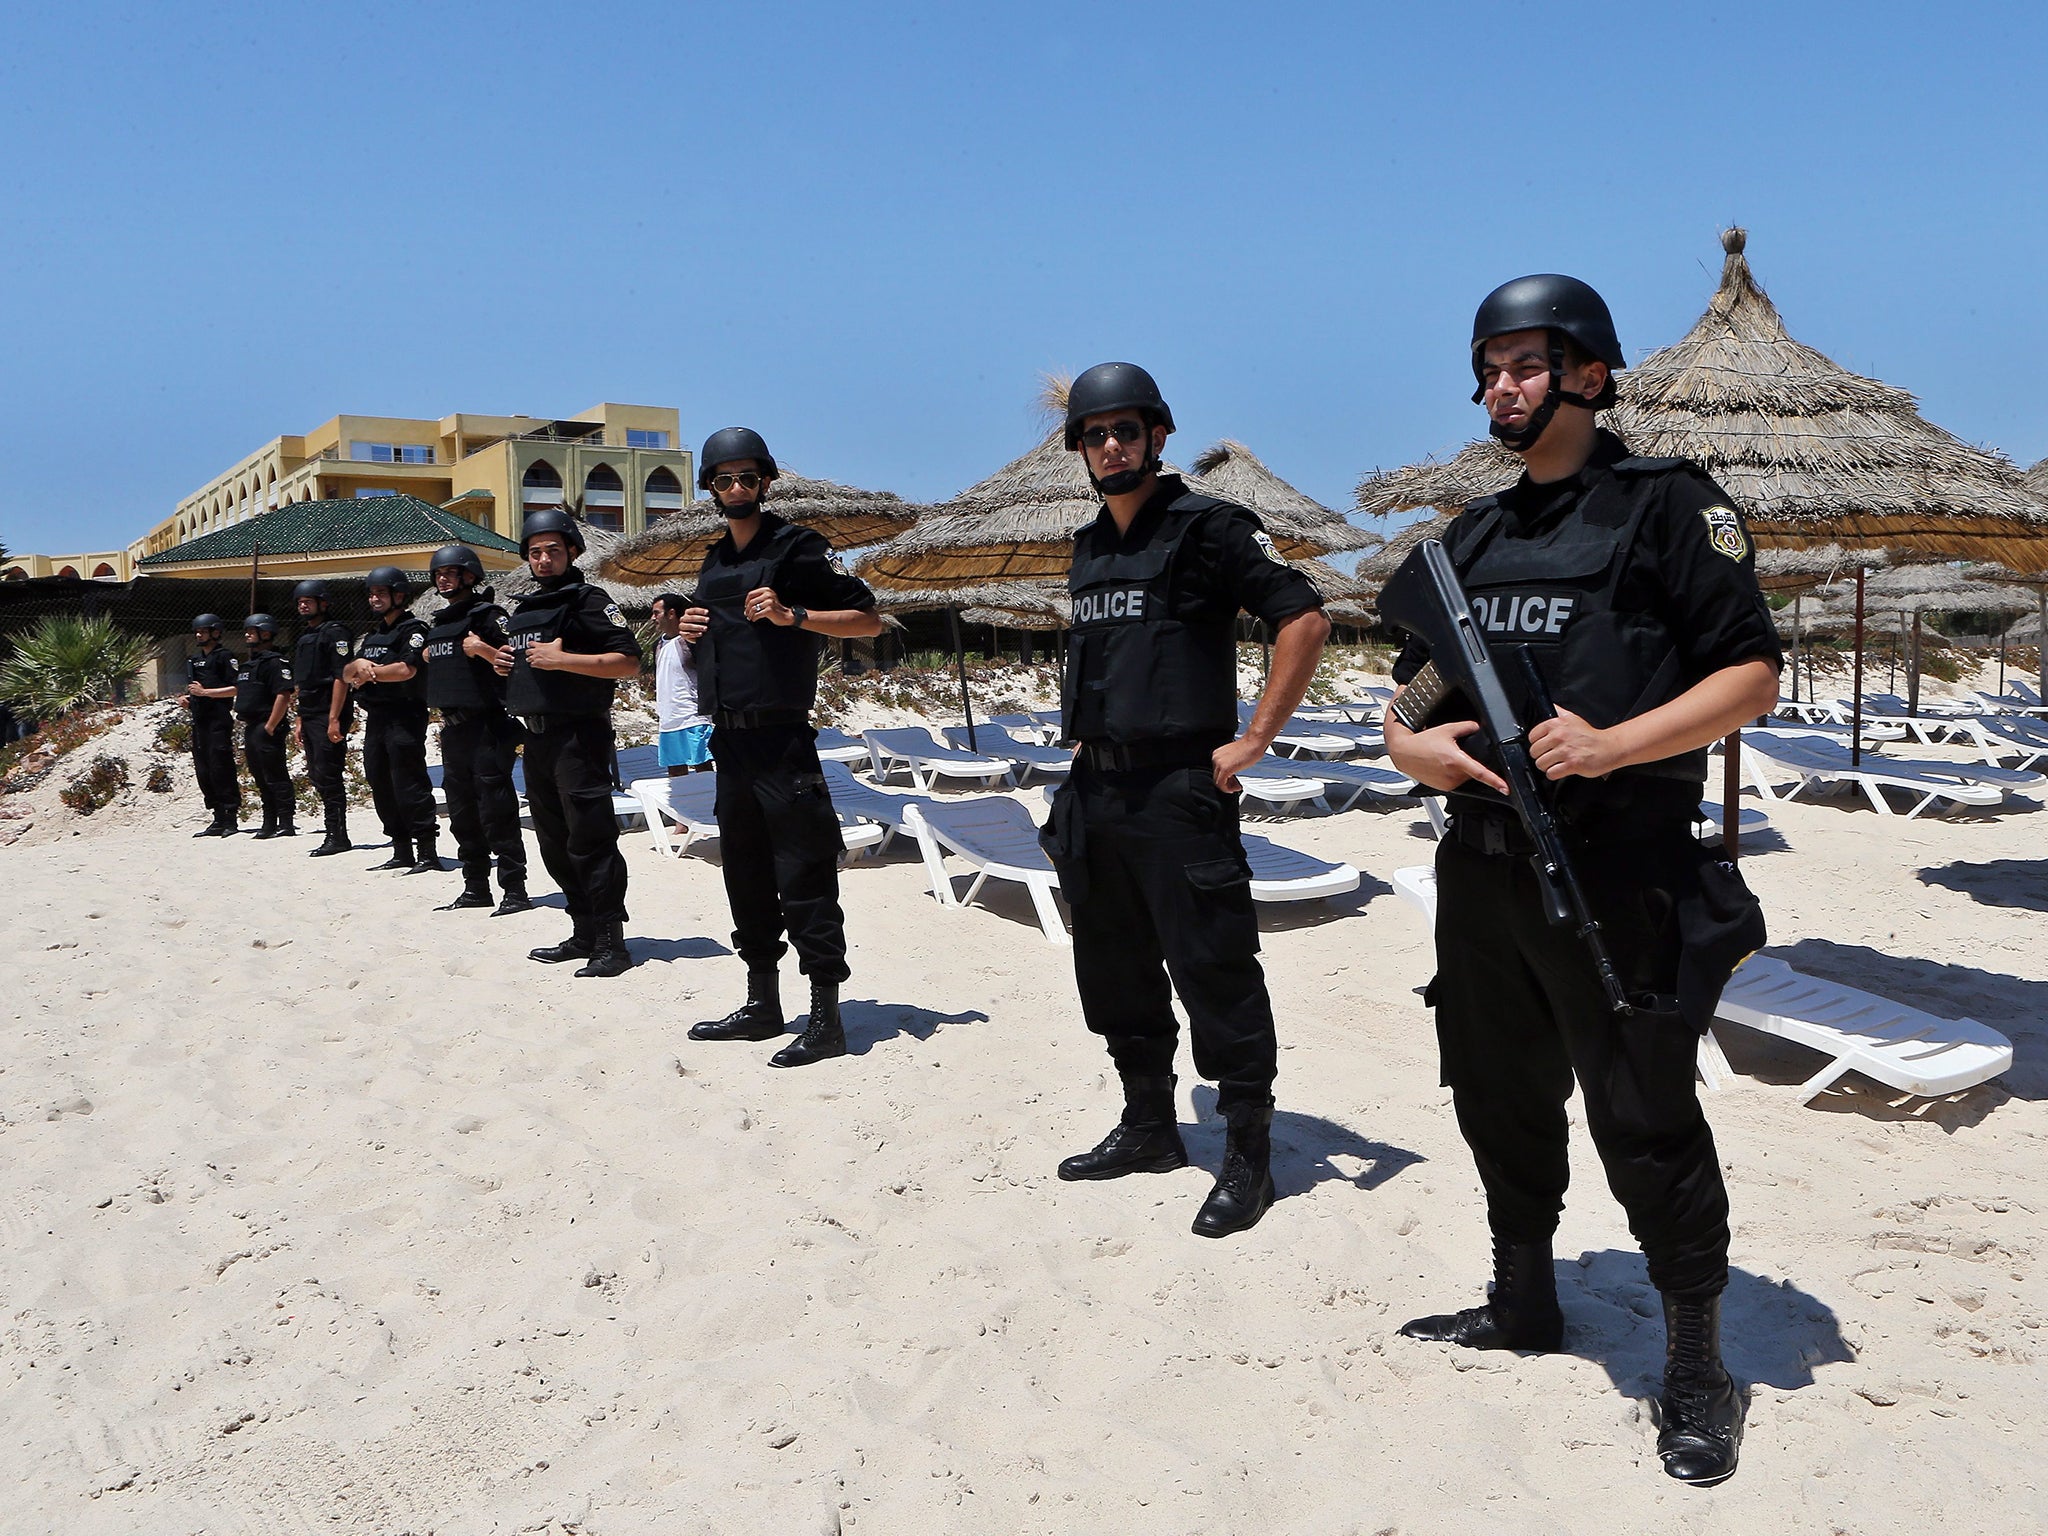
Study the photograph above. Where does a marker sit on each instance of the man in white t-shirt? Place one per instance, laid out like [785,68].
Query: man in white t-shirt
[685,741]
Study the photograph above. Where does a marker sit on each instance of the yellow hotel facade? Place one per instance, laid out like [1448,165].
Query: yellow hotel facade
[619,466]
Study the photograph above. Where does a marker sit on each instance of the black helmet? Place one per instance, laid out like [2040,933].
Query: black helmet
[1114,387]
[207,621]
[729,443]
[1550,302]
[552,520]
[387,576]
[310,589]
[262,623]
[461,556]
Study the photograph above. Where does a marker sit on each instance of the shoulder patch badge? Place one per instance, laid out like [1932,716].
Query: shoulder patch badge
[836,560]
[341,647]
[417,639]
[1265,541]
[613,616]
[1724,532]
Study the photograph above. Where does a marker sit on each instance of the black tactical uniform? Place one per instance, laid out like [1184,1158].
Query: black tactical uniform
[778,835]
[570,754]
[323,650]
[395,742]
[258,682]
[479,745]
[1147,846]
[1629,582]
[213,734]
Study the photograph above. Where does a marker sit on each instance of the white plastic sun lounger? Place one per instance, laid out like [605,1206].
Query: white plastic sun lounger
[2003,736]
[1893,1043]
[688,804]
[1317,738]
[912,749]
[863,802]
[1029,727]
[1272,781]
[995,837]
[1354,780]
[838,747]
[1814,760]
[992,740]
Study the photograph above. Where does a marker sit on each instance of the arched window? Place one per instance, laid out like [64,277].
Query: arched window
[604,499]
[663,493]
[541,485]
[68,570]
[15,573]
[101,570]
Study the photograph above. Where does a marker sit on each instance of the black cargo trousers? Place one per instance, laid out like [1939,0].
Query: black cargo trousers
[264,753]
[1520,1013]
[395,763]
[1154,872]
[478,749]
[213,760]
[569,796]
[325,759]
[778,840]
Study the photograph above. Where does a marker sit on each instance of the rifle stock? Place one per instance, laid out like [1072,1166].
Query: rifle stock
[1425,598]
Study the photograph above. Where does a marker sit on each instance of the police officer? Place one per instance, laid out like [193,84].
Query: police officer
[1632,583]
[325,711]
[479,741]
[566,644]
[388,676]
[211,673]
[1144,831]
[263,693]
[767,593]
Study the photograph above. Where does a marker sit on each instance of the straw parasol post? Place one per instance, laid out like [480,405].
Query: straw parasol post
[672,548]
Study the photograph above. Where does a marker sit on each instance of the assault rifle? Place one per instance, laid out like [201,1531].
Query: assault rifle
[1425,598]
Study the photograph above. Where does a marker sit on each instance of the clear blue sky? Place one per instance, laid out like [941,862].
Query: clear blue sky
[867,228]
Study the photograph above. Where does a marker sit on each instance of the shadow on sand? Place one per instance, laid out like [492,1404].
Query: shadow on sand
[1304,1147]
[1772,1333]
[869,1023]
[2020,883]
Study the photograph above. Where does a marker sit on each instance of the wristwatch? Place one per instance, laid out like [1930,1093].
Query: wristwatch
[801,614]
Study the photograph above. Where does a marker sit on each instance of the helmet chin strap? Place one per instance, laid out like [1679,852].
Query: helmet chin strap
[742,512]
[1521,439]
[1125,480]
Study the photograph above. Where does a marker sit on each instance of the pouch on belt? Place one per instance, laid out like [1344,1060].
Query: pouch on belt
[1064,837]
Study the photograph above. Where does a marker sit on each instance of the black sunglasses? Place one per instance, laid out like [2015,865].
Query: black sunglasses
[1129,433]
[746,480]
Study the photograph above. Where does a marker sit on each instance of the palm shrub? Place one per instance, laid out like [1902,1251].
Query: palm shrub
[67,662]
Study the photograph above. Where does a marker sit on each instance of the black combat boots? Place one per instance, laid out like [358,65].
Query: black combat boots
[476,891]
[285,826]
[580,944]
[269,827]
[516,900]
[608,953]
[1146,1140]
[1244,1189]
[220,826]
[429,860]
[1700,1412]
[401,856]
[758,1018]
[336,839]
[824,1036]
[1522,1313]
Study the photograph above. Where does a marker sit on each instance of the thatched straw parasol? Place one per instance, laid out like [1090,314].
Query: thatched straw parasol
[1234,472]
[672,549]
[1814,454]
[510,586]
[2037,479]
[1019,523]
[1033,605]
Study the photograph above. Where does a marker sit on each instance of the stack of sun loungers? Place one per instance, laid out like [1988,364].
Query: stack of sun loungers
[1816,761]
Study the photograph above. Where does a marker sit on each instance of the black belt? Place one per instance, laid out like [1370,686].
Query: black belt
[1137,756]
[1497,835]
[758,719]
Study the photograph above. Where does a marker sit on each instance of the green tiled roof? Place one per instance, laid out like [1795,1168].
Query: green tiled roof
[310,527]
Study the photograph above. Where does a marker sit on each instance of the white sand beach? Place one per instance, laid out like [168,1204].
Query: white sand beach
[323,1211]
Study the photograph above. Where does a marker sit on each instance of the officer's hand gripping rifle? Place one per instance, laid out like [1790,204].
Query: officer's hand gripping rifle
[1425,598]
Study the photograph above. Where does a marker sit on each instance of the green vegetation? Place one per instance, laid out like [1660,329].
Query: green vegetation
[95,787]
[68,662]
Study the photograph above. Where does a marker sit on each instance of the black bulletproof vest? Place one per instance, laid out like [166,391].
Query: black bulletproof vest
[744,664]
[546,616]
[1134,672]
[216,671]
[256,684]
[456,681]
[1555,592]
[381,647]
[320,655]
